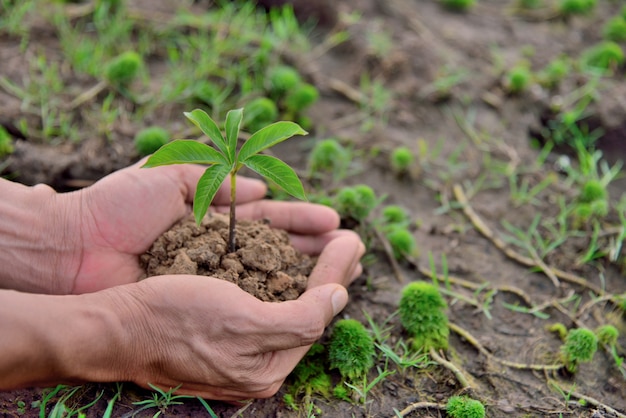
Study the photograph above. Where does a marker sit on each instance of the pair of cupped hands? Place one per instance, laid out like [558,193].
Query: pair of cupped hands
[203,334]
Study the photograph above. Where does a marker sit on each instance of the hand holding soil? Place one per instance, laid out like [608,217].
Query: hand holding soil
[204,333]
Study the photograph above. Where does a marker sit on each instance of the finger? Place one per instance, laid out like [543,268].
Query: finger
[314,244]
[295,323]
[339,262]
[248,190]
[296,217]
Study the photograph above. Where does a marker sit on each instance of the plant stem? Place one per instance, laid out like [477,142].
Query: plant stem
[231,226]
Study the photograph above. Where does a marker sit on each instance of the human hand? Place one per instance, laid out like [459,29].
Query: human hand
[121,216]
[215,340]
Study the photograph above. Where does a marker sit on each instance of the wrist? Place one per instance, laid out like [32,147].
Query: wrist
[49,340]
[37,243]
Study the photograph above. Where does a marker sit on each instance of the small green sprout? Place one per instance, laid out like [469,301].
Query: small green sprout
[329,155]
[6,145]
[402,242]
[422,315]
[576,7]
[260,112]
[148,140]
[607,334]
[560,329]
[282,79]
[615,29]
[603,56]
[356,202]
[579,347]
[351,349]
[465,407]
[518,79]
[123,69]
[226,160]
[300,97]
[458,5]
[401,160]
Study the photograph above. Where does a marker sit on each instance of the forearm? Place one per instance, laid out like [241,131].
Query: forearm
[48,340]
[36,240]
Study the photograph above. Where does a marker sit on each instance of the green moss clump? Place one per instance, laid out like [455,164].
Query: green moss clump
[607,334]
[604,56]
[300,97]
[351,349]
[465,407]
[554,72]
[259,113]
[615,29]
[458,5]
[592,190]
[579,347]
[576,7]
[148,140]
[394,214]
[329,155]
[422,315]
[518,79]
[6,143]
[401,160]
[283,78]
[402,242]
[356,202]
[309,376]
[123,69]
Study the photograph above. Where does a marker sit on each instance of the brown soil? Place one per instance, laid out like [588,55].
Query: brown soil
[263,264]
[469,134]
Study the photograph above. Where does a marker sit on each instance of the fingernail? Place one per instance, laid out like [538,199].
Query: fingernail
[339,300]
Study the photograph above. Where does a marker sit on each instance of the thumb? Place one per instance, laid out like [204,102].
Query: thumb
[299,323]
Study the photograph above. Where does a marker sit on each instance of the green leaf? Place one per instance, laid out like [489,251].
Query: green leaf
[206,189]
[183,151]
[269,136]
[277,171]
[208,126]
[233,123]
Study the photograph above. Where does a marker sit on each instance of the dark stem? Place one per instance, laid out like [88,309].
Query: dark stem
[231,226]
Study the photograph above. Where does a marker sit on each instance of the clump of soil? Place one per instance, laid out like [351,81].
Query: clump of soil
[264,264]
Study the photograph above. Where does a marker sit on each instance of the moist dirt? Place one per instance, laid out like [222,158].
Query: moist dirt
[459,133]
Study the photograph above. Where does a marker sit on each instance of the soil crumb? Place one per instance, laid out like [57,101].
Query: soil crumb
[264,264]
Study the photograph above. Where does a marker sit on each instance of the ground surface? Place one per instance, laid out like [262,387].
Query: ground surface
[445,99]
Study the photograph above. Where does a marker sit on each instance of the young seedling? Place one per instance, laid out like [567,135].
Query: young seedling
[579,347]
[464,407]
[422,316]
[351,349]
[227,160]
[149,140]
